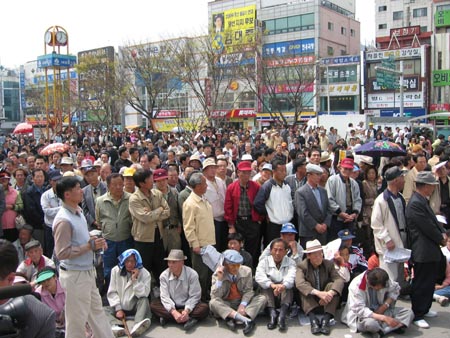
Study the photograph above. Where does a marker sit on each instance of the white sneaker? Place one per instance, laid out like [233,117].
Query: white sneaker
[118,331]
[422,324]
[430,314]
[139,328]
[442,300]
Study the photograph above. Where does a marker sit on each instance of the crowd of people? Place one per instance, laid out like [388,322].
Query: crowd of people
[228,222]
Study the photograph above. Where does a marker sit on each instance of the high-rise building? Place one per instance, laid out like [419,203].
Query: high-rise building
[289,38]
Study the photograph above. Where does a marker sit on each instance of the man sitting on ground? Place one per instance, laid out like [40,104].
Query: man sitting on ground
[128,292]
[180,294]
[371,305]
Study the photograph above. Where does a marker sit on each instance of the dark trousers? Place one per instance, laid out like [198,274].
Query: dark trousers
[200,311]
[49,242]
[251,231]
[272,232]
[10,234]
[221,231]
[204,275]
[336,226]
[423,288]
[115,249]
[152,254]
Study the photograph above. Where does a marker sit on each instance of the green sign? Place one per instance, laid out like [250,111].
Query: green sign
[441,78]
[442,18]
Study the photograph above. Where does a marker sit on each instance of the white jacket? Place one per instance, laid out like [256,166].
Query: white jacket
[267,272]
[123,293]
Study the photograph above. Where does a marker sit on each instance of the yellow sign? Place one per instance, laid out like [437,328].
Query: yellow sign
[172,124]
[233,29]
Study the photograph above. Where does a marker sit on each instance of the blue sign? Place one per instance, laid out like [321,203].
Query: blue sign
[23,102]
[56,60]
[289,48]
[407,112]
[50,77]
[340,60]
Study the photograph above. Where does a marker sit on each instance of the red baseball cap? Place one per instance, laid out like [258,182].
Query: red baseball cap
[347,163]
[159,174]
[244,166]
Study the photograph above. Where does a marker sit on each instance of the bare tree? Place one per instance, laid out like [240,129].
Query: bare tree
[98,90]
[282,84]
[148,83]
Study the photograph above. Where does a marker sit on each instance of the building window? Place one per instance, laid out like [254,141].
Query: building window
[423,29]
[419,12]
[382,26]
[330,26]
[343,31]
[382,9]
[289,24]
[352,32]
[397,15]
[330,50]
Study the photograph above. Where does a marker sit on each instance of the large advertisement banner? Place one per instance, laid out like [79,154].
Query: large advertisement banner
[233,29]
[288,48]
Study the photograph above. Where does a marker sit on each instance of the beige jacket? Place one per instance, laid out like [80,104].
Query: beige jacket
[146,215]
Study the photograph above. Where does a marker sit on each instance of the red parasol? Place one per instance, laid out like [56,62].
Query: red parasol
[23,128]
[54,147]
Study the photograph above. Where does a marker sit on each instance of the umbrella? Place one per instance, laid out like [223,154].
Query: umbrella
[380,149]
[23,128]
[54,147]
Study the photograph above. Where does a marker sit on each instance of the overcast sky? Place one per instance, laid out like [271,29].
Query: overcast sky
[98,23]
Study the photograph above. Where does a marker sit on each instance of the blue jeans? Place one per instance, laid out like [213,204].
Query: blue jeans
[443,292]
[114,250]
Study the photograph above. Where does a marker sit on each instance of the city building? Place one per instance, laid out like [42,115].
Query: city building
[10,113]
[282,42]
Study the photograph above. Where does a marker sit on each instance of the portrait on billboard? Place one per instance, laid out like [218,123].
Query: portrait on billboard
[218,23]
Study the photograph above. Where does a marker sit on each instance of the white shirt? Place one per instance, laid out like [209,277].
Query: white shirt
[215,195]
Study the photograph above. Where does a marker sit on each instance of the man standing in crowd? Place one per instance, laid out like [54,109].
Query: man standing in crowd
[420,161]
[148,210]
[426,236]
[113,217]
[389,222]
[180,294]
[50,204]
[215,195]
[91,192]
[172,225]
[274,199]
[344,198]
[198,224]
[312,207]
[32,209]
[239,211]
[74,249]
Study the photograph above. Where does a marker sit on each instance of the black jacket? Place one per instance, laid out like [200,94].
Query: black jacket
[424,231]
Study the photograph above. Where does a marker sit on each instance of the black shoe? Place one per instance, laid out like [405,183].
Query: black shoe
[190,324]
[282,323]
[249,327]
[400,330]
[325,327]
[231,324]
[273,319]
[315,327]
[273,322]
[162,321]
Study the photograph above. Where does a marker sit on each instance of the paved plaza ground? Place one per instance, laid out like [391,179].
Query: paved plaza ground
[211,328]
